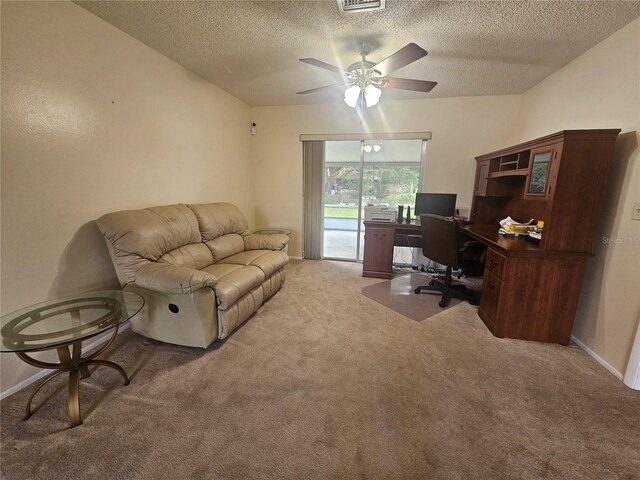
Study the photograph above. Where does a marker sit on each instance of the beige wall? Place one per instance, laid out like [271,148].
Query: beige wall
[94,121]
[601,89]
[462,128]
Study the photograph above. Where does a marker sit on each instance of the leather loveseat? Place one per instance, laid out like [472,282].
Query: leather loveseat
[200,271]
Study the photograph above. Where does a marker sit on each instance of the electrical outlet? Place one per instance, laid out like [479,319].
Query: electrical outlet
[636,211]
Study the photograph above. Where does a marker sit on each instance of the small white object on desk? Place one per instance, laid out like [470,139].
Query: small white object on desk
[382,213]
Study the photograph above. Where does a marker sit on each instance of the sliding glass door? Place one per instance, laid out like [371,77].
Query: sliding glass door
[342,199]
[360,173]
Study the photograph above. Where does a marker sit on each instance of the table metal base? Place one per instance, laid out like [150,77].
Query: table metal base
[71,361]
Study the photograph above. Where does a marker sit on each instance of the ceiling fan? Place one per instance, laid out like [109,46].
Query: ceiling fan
[364,80]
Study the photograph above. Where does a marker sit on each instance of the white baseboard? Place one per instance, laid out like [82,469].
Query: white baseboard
[43,373]
[597,358]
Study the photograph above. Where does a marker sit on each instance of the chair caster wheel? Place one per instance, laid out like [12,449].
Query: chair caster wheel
[473,302]
[417,290]
[432,283]
[442,303]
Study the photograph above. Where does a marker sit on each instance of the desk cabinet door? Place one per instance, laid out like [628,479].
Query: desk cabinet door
[490,300]
[378,249]
[540,172]
[482,178]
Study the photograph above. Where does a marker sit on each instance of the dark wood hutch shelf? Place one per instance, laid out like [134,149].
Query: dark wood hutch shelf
[509,173]
[531,290]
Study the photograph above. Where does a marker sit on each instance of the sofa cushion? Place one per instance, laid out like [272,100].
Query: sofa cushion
[217,219]
[220,271]
[196,256]
[225,246]
[268,261]
[242,309]
[237,282]
[236,314]
[139,236]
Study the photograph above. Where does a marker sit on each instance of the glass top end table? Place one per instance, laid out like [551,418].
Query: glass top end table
[63,324]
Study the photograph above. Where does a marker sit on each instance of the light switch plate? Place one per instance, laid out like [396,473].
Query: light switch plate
[636,211]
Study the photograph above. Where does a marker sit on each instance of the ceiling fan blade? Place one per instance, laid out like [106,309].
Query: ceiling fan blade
[326,66]
[406,55]
[408,84]
[320,89]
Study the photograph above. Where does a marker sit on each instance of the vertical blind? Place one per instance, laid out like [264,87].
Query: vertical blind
[313,187]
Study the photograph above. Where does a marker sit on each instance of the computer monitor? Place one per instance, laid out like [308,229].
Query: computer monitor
[443,204]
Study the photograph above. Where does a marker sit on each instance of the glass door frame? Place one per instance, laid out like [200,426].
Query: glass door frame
[360,224]
[422,165]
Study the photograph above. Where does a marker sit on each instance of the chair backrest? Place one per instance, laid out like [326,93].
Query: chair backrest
[440,238]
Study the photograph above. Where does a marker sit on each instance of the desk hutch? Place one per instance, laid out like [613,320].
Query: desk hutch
[531,289]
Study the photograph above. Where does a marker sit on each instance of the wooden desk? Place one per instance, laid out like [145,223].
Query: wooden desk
[531,290]
[528,292]
[379,240]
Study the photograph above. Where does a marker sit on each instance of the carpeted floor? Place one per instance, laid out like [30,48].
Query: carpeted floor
[326,383]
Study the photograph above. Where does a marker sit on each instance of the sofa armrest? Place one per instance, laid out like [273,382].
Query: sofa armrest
[262,241]
[167,278]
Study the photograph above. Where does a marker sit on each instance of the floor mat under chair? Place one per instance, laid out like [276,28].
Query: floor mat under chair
[398,295]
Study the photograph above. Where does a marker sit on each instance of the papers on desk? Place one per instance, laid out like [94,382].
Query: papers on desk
[508,226]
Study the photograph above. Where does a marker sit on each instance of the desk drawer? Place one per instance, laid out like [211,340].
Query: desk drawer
[495,262]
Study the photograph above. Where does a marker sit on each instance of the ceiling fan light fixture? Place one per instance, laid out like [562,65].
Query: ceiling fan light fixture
[364,80]
[351,95]
[375,148]
[372,95]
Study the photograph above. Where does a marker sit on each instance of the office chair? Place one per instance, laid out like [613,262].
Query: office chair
[442,243]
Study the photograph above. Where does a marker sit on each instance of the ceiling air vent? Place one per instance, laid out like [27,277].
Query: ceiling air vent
[349,6]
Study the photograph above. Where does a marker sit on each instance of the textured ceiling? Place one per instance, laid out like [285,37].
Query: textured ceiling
[251,48]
